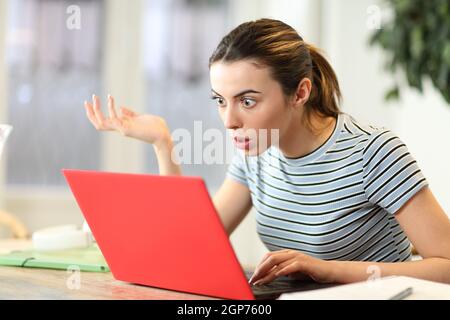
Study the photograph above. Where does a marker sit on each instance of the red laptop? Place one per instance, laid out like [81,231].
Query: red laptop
[163,231]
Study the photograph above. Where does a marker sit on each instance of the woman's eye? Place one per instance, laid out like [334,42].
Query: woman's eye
[220,102]
[248,103]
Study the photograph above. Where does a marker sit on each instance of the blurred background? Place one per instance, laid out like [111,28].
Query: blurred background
[152,56]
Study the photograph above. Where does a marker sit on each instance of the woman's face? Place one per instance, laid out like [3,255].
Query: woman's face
[250,100]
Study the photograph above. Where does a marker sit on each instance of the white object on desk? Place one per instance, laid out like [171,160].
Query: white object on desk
[87,229]
[381,289]
[61,238]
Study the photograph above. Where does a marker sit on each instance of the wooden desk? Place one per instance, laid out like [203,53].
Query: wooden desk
[30,283]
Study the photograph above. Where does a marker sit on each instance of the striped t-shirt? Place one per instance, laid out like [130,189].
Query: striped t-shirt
[337,202]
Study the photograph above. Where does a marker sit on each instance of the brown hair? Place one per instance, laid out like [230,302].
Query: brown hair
[277,45]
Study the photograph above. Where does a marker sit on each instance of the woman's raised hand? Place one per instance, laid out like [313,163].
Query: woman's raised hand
[145,127]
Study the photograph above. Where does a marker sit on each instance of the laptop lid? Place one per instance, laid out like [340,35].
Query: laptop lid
[160,231]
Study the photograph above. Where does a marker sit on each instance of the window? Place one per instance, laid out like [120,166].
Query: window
[52,69]
[179,37]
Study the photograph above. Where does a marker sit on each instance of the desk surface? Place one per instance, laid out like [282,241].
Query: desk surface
[30,283]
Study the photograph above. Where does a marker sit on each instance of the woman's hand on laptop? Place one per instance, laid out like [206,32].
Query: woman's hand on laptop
[145,127]
[294,264]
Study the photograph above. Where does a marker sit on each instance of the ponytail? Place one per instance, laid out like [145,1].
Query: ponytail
[325,94]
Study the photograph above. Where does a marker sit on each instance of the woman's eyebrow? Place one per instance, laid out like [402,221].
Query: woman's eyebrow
[240,93]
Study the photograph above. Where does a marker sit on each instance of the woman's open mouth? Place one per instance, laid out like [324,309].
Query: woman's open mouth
[242,143]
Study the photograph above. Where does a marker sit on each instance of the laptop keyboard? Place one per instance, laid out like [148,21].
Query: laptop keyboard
[273,285]
[284,284]
[279,284]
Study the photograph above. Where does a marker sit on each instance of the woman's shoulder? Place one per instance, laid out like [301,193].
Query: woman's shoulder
[376,136]
[354,126]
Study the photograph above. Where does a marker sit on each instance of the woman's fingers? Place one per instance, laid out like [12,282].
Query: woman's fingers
[272,253]
[271,259]
[90,114]
[265,278]
[98,112]
[113,121]
[111,107]
[273,273]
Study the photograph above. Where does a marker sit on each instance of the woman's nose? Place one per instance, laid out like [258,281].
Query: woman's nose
[231,119]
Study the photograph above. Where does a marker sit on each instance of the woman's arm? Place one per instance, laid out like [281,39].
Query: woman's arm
[428,228]
[433,269]
[166,163]
[232,202]
[423,221]
[145,127]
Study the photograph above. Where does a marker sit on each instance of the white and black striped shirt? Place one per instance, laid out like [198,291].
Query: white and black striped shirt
[338,202]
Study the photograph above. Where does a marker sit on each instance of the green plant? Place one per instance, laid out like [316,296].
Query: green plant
[417,40]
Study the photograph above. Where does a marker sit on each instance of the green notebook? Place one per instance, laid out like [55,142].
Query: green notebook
[86,259]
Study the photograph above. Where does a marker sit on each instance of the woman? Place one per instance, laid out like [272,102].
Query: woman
[336,200]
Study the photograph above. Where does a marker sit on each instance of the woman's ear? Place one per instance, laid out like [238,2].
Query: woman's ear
[303,91]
